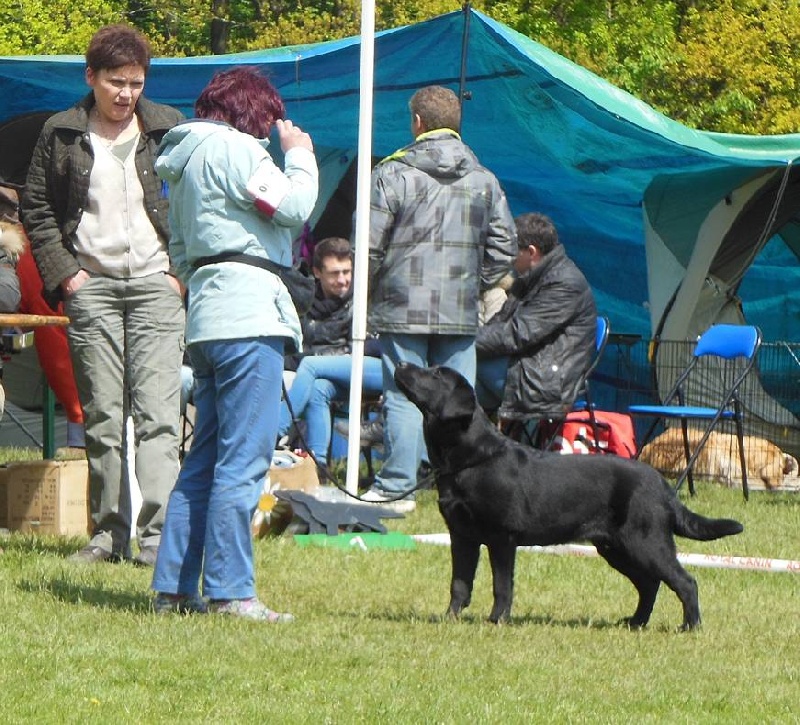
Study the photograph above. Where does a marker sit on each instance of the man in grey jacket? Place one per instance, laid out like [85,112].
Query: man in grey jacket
[533,354]
[440,233]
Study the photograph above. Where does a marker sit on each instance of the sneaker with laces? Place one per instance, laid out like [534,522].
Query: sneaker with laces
[248,609]
[371,433]
[179,604]
[389,501]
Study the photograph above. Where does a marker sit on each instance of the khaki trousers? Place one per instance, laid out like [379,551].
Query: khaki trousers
[126,343]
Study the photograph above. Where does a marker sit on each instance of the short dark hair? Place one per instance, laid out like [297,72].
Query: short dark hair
[114,46]
[437,107]
[331,247]
[538,230]
[243,98]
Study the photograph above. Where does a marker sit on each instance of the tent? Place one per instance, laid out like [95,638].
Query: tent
[674,228]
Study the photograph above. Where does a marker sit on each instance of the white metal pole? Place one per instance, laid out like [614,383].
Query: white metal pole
[361,266]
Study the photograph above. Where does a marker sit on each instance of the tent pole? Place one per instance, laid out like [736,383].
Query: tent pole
[463,93]
[360,272]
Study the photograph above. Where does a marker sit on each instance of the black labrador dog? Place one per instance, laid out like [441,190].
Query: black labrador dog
[504,494]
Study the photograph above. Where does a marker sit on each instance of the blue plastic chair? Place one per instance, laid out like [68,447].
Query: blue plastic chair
[728,343]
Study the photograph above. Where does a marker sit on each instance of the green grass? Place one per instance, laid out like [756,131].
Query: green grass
[370,644]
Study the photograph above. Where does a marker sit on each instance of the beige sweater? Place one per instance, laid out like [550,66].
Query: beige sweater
[115,237]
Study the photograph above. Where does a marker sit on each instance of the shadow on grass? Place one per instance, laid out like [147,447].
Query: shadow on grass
[539,620]
[779,498]
[71,592]
[550,620]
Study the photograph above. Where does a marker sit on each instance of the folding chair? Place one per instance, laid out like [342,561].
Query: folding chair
[735,348]
[584,402]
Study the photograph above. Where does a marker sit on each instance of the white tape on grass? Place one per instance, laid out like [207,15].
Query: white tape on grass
[710,561]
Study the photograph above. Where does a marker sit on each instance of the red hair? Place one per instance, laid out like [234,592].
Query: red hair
[243,98]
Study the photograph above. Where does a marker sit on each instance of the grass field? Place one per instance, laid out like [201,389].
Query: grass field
[370,644]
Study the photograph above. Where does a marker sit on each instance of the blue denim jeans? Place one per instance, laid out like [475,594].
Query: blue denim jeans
[207,530]
[403,442]
[490,381]
[320,380]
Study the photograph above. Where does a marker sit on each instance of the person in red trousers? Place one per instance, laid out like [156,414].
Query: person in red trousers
[51,344]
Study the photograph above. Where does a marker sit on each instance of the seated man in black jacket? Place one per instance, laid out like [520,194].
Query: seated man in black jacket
[323,372]
[533,354]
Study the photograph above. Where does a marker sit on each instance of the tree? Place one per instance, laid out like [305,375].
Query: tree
[51,27]
[736,68]
[721,65]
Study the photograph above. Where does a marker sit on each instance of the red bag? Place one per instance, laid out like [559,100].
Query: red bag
[615,431]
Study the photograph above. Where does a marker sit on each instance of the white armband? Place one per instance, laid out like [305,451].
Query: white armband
[268,187]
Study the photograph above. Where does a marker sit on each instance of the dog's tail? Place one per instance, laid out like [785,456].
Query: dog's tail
[693,526]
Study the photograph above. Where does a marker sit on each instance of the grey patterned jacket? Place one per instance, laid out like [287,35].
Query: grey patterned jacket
[440,232]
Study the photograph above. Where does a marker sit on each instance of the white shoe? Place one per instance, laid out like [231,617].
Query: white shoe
[389,501]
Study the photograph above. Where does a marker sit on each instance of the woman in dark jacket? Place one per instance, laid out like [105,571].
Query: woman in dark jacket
[96,217]
[533,354]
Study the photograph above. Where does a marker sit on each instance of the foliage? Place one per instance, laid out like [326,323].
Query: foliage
[738,68]
[53,26]
[728,65]
[175,27]
[720,65]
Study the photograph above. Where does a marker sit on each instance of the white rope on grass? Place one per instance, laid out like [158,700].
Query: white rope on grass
[709,561]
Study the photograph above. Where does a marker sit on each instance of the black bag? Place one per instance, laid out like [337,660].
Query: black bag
[298,281]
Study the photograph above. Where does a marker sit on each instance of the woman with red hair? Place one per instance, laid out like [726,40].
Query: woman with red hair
[228,197]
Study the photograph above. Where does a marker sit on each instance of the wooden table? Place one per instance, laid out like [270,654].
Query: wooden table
[25,322]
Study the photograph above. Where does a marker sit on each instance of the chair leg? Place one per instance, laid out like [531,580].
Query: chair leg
[554,425]
[367,453]
[187,431]
[646,438]
[742,458]
[687,471]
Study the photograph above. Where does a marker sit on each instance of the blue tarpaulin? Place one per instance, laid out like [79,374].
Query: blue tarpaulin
[671,225]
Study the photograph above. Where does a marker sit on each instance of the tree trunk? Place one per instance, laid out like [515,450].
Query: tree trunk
[220,27]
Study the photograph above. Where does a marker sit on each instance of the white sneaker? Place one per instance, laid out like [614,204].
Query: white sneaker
[387,500]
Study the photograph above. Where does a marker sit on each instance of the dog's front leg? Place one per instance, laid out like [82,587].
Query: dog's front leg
[464,554]
[502,556]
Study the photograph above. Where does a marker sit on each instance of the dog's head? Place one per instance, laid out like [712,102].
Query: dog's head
[439,392]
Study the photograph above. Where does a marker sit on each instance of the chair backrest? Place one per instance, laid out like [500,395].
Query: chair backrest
[601,337]
[600,341]
[729,341]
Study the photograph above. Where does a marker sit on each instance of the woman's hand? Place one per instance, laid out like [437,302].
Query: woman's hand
[292,136]
[71,285]
[176,284]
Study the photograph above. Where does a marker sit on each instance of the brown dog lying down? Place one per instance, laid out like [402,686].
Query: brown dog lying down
[719,458]
[504,494]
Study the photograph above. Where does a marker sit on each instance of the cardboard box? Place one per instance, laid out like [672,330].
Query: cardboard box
[45,497]
[290,471]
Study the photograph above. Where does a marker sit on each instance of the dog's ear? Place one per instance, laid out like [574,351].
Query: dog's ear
[460,403]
